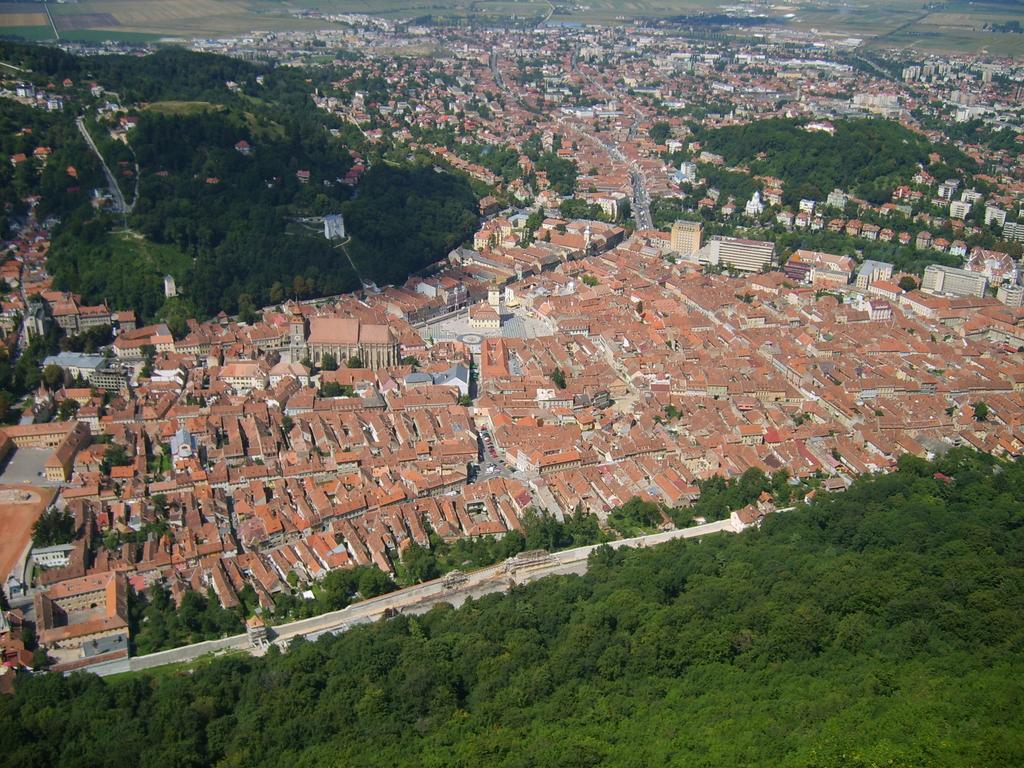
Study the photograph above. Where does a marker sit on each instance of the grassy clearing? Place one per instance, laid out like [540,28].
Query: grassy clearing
[938,40]
[183,107]
[171,670]
[166,259]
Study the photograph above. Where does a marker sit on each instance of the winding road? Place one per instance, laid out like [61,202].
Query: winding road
[119,203]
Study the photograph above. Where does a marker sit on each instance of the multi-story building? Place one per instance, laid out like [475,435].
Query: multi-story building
[837,199]
[953,282]
[111,376]
[992,213]
[819,268]
[90,612]
[1011,295]
[959,209]
[872,271]
[948,188]
[1013,231]
[737,253]
[686,236]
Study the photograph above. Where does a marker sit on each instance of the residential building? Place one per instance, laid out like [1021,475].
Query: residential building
[953,282]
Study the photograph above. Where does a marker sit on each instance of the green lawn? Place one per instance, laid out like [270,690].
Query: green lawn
[28,33]
[166,258]
[182,107]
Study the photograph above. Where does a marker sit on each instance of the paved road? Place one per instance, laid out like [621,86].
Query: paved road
[119,203]
[413,600]
[49,17]
[640,199]
[23,331]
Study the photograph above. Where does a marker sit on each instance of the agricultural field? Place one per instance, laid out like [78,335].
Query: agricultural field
[27,21]
[957,26]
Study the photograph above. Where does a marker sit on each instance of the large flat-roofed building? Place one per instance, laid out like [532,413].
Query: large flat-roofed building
[76,363]
[345,337]
[686,236]
[953,282]
[78,611]
[737,253]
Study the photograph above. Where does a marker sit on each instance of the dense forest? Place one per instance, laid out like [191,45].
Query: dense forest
[881,626]
[404,219]
[866,157]
[171,73]
[64,177]
[227,222]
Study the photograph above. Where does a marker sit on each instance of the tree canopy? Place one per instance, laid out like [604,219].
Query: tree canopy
[231,222]
[881,626]
[868,157]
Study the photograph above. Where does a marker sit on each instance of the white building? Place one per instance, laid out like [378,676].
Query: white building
[56,556]
[754,205]
[334,226]
[953,282]
[959,209]
[1011,295]
[993,213]
[837,198]
[739,254]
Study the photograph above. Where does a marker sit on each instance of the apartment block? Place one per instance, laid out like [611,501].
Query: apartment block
[953,282]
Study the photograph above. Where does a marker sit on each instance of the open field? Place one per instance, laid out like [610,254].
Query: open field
[112,35]
[182,107]
[930,40]
[20,507]
[28,33]
[956,27]
[164,259]
[16,19]
[184,18]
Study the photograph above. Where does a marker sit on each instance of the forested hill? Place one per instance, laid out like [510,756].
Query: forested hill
[867,157]
[171,73]
[878,627]
[224,217]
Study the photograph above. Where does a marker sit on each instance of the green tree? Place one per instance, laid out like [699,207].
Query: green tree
[54,526]
[660,132]
[980,411]
[114,456]
[53,377]
[40,659]
[419,564]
